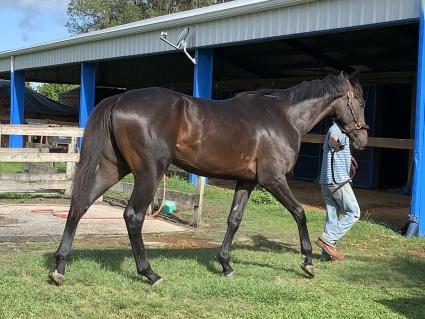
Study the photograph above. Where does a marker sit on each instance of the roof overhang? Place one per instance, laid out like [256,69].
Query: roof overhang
[219,25]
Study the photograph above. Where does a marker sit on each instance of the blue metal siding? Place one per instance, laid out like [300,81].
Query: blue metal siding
[17,97]
[87,91]
[418,191]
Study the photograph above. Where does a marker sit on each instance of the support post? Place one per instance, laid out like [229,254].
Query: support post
[417,216]
[202,82]
[87,91]
[197,213]
[17,97]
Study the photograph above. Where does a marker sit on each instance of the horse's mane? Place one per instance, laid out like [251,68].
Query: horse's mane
[331,85]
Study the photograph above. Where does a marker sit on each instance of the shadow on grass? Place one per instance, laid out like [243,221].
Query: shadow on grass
[412,308]
[262,243]
[112,259]
[387,272]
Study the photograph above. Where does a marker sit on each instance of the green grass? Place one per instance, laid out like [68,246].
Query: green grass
[101,282]
[19,167]
[382,276]
[11,167]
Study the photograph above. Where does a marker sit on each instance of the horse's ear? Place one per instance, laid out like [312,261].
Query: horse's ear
[354,77]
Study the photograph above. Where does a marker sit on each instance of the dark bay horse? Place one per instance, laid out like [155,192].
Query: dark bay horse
[253,138]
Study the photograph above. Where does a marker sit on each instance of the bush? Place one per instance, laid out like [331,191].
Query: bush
[263,198]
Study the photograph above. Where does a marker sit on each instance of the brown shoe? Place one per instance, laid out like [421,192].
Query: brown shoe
[330,250]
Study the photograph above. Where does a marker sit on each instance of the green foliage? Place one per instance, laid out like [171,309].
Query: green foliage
[178,183]
[91,15]
[263,198]
[52,90]
[28,85]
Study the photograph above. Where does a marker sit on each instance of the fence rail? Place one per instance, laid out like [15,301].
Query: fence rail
[30,182]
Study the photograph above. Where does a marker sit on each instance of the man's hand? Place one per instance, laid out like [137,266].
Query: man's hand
[335,143]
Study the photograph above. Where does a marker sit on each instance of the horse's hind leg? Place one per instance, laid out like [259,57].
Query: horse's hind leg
[143,194]
[108,174]
[279,188]
[240,198]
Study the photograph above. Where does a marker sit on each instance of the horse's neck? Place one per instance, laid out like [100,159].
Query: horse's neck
[306,114]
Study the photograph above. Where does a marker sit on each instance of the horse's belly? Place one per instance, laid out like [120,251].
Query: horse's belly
[227,165]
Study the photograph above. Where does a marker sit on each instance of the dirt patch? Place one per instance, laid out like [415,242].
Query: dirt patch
[31,223]
[379,206]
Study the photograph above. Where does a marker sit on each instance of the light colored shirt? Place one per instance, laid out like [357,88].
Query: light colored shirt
[341,160]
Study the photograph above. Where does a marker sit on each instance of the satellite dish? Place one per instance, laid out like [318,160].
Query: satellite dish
[181,42]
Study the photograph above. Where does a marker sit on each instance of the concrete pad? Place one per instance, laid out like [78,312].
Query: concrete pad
[31,221]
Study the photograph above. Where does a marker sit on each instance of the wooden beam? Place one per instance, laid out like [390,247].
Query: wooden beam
[397,143]
[31,177]
[17,186]
[40,130]
[19,150]
[197,213]
[39,157]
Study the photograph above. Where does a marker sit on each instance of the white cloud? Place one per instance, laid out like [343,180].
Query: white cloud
[31,9]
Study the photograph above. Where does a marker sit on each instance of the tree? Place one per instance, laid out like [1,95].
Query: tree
[91,15]
[52,90]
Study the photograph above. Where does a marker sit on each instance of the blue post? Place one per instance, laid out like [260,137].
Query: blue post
[17,97]
[418,191]
[202,83]
[87,91]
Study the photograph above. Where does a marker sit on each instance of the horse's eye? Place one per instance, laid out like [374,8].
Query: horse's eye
[362,105]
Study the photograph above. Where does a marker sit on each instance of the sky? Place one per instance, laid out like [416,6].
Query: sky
[27,22]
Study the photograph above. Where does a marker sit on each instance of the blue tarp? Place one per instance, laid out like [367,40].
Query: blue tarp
[38,103]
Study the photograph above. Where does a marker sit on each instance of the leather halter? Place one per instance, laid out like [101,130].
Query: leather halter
[358,125]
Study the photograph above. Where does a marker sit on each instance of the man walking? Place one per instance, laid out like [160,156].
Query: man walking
[337,192]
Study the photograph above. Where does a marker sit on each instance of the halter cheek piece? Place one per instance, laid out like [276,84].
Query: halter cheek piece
[358,124]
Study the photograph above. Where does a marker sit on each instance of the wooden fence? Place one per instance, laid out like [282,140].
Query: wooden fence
[39,153]
[195,200]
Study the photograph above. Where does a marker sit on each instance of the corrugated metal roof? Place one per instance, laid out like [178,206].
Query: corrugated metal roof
[231,22]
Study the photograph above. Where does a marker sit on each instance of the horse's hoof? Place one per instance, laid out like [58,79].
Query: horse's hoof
[156,282]
[308,269]
[56,278]
[229,274]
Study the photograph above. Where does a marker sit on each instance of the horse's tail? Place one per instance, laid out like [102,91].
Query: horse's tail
[96,134]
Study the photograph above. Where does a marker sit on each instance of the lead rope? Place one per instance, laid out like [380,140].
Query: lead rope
[333,174]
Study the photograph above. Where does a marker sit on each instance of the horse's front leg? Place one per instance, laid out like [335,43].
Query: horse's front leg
[240,198]
[279,188]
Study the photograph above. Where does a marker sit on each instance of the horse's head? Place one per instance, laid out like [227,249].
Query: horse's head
[348,111]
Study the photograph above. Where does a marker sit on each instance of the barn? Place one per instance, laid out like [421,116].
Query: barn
[250,44]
